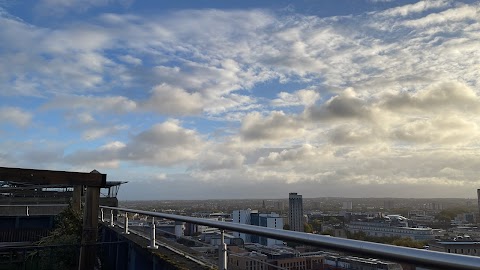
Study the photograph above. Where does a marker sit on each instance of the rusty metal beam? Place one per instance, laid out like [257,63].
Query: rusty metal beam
[47,177]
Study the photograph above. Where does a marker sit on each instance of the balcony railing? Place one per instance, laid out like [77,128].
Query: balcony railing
[38,209]
[426,258]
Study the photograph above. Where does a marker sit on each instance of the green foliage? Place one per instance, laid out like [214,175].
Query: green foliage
[316,225]
[307,228]
[449,214]
[408,242]
[64,239]
[68,228]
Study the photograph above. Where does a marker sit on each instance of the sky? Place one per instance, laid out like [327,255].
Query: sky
[246,99]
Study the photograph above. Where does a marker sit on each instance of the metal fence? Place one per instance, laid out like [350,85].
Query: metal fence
[53,257]
[426,258]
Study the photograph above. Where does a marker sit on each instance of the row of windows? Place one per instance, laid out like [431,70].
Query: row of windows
[466,251]
[394,230]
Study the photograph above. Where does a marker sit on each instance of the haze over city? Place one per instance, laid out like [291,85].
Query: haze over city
[255,99]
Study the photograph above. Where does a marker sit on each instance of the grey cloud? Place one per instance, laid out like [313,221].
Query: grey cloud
[161,145]
[292,156]
[344,106]
[219,160]
[276,126]
[351,134]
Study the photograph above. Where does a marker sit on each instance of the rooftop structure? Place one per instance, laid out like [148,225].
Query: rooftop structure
[390,226]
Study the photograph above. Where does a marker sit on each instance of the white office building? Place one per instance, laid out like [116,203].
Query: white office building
[252,217]
[242,217]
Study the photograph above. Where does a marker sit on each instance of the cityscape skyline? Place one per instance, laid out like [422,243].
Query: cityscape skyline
[215,100]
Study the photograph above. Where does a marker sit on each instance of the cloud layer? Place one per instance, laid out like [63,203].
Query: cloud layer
[380,99]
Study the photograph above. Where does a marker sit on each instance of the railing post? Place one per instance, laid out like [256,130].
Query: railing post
[28,213]
[152,245]
[222,256]
[126,224]
[111,219]
[101,215]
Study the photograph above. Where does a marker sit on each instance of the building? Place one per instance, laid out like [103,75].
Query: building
[347,206]
[478,198]
[388,204]
[248,260]
[242,217]
[434,206]
[295,212]
[391,226]
[471,248]
[252,217]
[294,263]
[350,262]
[273,221]
[288,258]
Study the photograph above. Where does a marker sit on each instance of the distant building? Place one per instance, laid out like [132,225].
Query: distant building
[295,212]
[464,218]
[434,206]
[252,217]
[248,260]
[288,258]
[389,204]
[350,262]
[279,205]
[471,248]
[478,198]
[255,260]
[347,206]
[391,226]
[242,217]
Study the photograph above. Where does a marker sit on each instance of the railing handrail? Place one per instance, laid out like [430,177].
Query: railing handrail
[402,254]
[33,205]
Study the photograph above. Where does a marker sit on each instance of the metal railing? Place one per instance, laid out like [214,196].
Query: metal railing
[29,207]
[438,260]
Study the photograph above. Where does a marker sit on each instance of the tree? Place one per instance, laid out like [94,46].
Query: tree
[408,242]
[67,234]
[307,228]
[316,225]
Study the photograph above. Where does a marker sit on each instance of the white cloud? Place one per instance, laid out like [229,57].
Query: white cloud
[93,133]
[399,93]
[16,116]
[441,97]
[62,7]
[419,7]
[130,60]
[117,104]
[304,97]
[170,100]
[459,14]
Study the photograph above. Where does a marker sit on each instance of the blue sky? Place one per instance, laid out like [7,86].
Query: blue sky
[247,99]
